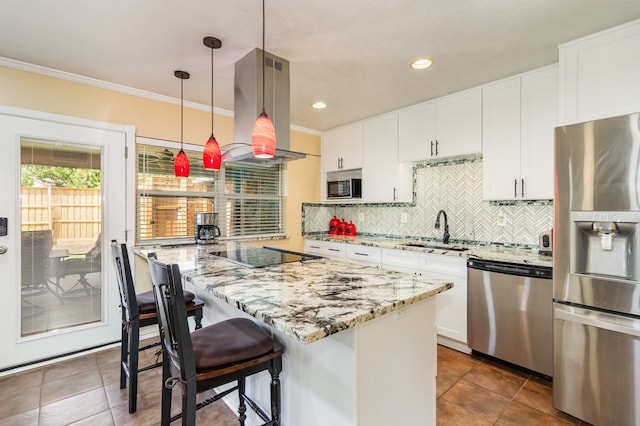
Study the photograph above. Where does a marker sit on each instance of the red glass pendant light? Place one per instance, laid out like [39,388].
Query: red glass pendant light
[263,137]
[211,156]
[181,162]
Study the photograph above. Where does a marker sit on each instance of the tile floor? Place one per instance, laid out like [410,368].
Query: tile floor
[85,391]
[472,390]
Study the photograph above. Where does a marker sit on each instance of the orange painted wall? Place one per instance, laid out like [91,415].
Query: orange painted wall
[161,120]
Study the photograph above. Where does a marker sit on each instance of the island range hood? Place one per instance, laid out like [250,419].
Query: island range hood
[248,105]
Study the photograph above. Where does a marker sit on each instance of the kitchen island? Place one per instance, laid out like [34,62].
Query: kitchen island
[360,341]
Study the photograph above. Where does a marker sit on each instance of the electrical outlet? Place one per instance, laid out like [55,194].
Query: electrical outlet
[502,219]
[403,218]
[360,217]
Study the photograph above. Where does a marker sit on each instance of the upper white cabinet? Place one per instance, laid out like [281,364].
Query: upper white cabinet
[342,148]
[599,75]
[519,117]
[417,132]
[383,179]
[448,126]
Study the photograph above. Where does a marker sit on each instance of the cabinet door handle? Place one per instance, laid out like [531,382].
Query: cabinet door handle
[432,148]
[522,188]
[515,188]
[436,147]
[315,247]
[394,193]
[332,249]
[360,254]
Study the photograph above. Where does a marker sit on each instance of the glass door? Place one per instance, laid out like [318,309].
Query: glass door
[65,199]
[60,236]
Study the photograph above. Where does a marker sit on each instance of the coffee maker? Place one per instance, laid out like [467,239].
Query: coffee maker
[206,229]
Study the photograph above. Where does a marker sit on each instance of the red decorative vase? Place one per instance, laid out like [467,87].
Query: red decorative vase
[342,225]
[333,226]
[350,229]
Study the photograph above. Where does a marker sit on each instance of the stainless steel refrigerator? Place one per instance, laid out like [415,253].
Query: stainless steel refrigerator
[596,271]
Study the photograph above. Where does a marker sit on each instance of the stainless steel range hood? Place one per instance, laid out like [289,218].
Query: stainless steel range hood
[248,105]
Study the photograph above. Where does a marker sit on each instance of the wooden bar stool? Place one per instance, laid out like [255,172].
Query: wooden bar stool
[139,310]
[221,353]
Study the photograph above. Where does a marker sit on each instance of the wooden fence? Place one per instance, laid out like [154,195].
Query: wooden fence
[73,214]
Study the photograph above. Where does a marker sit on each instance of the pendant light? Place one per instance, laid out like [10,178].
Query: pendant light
[211,156]
[181,163]
[263,137]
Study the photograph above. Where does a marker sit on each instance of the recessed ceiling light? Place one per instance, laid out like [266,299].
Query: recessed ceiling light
[319,105]
[422,63]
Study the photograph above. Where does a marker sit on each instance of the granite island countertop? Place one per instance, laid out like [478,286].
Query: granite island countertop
[306,300]
[495,253]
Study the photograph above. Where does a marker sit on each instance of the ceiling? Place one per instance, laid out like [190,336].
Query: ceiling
[354,55]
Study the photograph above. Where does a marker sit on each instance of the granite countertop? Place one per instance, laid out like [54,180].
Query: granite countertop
[306,300]
[496,253]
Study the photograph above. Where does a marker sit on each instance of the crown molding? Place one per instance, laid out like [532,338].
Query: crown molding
[63,75]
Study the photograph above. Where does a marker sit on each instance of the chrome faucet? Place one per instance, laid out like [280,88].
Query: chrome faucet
[445,235]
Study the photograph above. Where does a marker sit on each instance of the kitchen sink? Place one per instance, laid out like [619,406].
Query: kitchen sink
[440,247]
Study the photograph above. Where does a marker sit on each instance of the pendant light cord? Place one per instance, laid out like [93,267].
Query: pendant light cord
[212,91]
[263,55]
[181,112]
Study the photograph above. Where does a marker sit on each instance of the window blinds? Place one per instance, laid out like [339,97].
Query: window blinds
[249,199]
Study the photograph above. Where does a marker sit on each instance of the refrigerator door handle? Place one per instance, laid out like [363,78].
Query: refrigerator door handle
[597,319]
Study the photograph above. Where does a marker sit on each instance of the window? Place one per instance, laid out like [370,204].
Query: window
[249,199]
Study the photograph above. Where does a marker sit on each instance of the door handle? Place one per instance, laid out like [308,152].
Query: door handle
[436,147]
[522,188]
[432,148]
[4,249]
[515,188]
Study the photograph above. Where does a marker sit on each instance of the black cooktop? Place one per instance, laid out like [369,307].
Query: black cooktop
[256,257]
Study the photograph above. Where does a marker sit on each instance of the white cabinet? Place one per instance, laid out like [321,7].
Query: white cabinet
[401,260]
[446,127]
[383,178]
[539,117]
[451,305]
[519,117]
[364,255]
[599,75]
[327,249]
[417,132]
[342,148]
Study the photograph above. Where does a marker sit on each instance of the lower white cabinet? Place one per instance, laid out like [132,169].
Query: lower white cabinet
[327,249]
[364,255]
[451,305]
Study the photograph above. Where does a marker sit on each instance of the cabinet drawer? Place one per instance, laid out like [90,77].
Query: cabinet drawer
[325,248]
[365,254]
[444,264]
[401,260]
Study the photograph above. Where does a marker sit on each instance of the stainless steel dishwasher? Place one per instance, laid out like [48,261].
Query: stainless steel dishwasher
[509,313]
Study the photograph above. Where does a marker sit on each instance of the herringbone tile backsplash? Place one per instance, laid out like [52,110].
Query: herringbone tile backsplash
[454,186]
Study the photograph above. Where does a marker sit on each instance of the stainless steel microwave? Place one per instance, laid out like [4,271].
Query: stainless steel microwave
[345,188]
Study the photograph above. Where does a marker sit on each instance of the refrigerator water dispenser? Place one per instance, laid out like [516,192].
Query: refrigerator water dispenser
[606,244]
